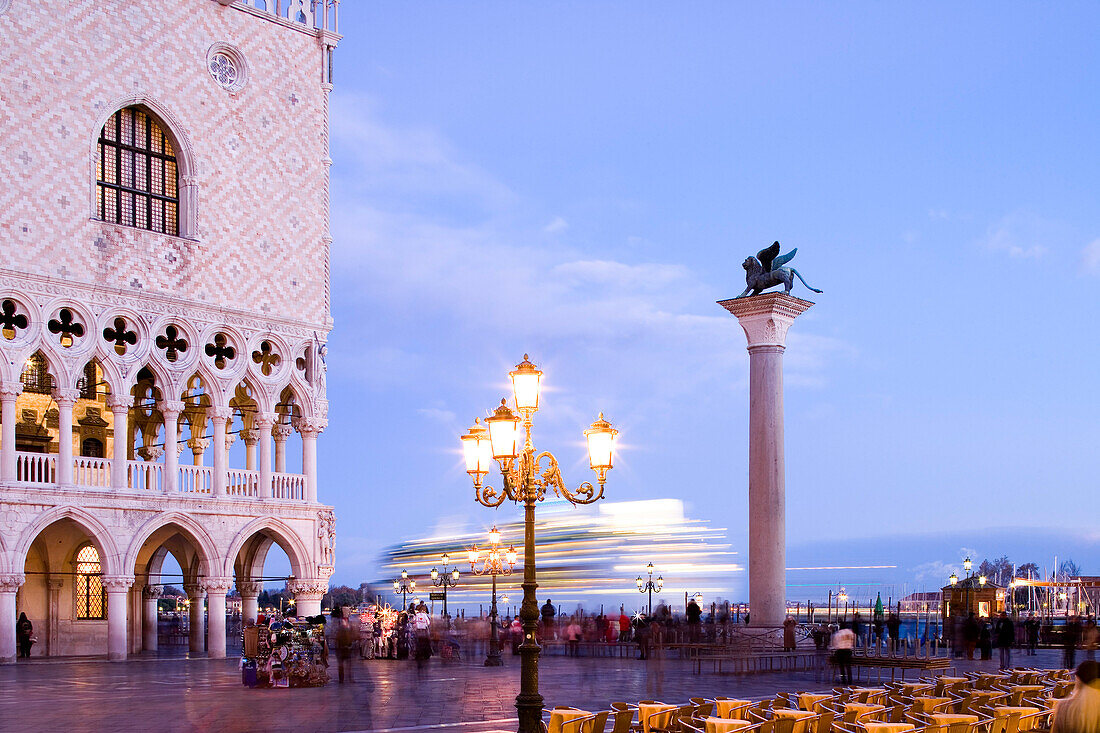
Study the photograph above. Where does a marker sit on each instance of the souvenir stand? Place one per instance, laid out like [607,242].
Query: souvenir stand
[287,653]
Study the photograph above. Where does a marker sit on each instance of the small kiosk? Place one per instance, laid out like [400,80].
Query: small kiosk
[288,653]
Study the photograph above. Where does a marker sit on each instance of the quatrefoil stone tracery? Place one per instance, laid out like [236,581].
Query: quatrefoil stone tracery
[224,70]
[11,320]
[120,336]
[221,351]
[171,343]
[266,357]
[66,327]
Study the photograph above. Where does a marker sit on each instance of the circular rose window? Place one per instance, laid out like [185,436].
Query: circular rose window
[227,66]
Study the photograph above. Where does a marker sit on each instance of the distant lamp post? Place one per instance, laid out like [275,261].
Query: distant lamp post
[444,580]
[842,596]
[497,561]
[650,586]
[405,585]
[527,475]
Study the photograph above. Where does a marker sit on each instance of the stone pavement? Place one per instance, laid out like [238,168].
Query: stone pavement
[387,696]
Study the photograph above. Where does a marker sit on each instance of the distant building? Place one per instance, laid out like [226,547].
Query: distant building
[921,602]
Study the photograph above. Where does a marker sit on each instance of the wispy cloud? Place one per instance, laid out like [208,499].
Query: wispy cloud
[557,225]
[1022,235]
[1090,257]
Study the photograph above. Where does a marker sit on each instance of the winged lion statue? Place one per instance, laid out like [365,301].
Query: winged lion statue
[766,271]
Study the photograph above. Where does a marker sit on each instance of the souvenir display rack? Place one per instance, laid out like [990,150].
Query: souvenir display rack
[288,653]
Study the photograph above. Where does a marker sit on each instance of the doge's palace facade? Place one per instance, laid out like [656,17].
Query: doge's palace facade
[164,308]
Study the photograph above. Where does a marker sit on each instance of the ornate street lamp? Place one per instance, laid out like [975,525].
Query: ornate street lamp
[843,596]
[448,579]
[405,585]
[527,476]
[649,585]
[497,561]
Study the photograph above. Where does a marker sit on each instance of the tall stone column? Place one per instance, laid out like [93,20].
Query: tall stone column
[280,432]
[249,438]
[216,588]
[65,399]
[171,410]
[118,590]
[9,393]
[150,596]
[218,417]
[249,592]
[262,423]
[53,610]
[198,448]
[9,586]
[120,412]
[309,429]
[308,593]
[197,636]
[765,319]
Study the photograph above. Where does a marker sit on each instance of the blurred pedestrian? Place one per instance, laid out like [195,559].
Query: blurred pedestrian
[1071,636]
[893,628]
[548,614]
[1031,626]
[422,625]
[789,626]
[842,643]
[642,632]
[345,642]
[1090,638]
[970,634]
[573,634]
[24,633]
[1080,712]
[1006,637]
[624,627]
[694,616]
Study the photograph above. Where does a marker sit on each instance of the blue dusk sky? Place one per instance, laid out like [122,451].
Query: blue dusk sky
[582,180]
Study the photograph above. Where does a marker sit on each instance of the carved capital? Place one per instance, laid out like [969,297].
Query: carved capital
[216,586]
[65,395]
[117,583]
[309,589]
[10,582]
[249,588]
[152,592]
[766,318]
[310,426]
[219,414]
[171,408]
[198,445]
[194,591]
[150,452]
[54,584]
[230,439]
[119,403]
[262,421]
[10,390]
[249,437]
[281,431]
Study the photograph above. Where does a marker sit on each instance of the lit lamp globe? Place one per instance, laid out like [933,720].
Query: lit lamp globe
[503,431]
[435,574]
[601,447]
[396,585]
[954,579]
[660,582]
[477,451]
[494,536]
[640,582]
[525,385]
[404,574]
[511,555]
[472,554]
[454,575]
[981,580]
[967,564]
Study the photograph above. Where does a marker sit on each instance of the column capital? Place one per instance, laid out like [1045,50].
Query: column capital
[308,588]
[198,445]
[152,592]
[193,590]
[216,586]
[119,402]
[54,584]
[117,583]
[281,431]
[10,390]
[150,453]
[249,437]
[65,395]
[10,582]
[765,318]
[171,407]
[230,439]
[249,588]
[310,426]
[264,420]
[219,414]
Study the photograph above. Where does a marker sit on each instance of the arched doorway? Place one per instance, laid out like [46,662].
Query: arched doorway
[269,557]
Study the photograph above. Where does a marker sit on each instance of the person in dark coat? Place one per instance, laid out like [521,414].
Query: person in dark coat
[548,614]
[970,634]
[1071,635]
[893,628]
[1031,626]
[789,643]
[345,642]
[1006,637]
[24,631]
[694,615]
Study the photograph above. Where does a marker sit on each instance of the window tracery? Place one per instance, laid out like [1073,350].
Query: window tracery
[91,596]
[137,178]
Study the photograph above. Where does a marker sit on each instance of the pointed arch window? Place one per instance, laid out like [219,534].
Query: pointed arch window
[137,181]
[91,596]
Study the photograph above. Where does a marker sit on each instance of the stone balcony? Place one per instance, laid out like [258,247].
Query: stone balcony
[40,470]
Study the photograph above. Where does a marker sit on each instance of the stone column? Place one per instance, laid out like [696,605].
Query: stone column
[250,594]
[308,593]
[118,590]
[197,623]
[262,424]
[53,609]
[171,410]
[218,417]
[198,448]
[65,399]
[765,319]
[150,596]
[280,432]
[120,411]
[9,586]
[249,438]
[9,393]
[309,429]
[216,588]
